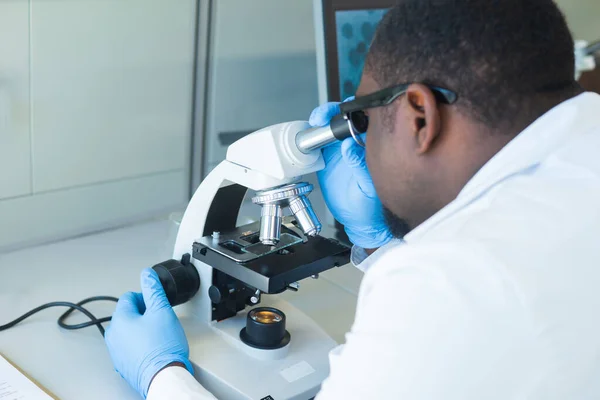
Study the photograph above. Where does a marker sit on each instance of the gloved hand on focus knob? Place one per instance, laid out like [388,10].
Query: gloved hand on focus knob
[348,188]
[145,335]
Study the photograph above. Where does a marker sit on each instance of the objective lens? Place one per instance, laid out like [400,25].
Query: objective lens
[270,224]
[302,210]
[292,196]
[266,317]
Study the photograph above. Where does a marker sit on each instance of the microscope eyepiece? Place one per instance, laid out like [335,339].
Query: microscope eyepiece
[341,127]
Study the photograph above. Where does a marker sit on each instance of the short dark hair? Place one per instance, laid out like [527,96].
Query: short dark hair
[498,55]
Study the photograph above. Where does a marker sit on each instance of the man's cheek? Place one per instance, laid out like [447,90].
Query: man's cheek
[374,167]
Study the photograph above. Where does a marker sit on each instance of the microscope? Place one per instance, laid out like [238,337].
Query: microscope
[245,343]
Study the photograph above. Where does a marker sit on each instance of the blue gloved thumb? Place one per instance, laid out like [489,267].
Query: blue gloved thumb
[355,157]
[153,292]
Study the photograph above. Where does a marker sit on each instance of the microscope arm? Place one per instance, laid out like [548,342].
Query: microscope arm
[289,150]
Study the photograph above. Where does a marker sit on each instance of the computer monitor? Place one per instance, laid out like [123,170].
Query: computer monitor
[344,31]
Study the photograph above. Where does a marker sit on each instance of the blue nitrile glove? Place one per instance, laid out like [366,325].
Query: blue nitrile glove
[348,188]
[145,335]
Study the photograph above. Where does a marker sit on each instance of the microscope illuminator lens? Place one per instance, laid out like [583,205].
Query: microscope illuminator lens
[265,329]
[266,316]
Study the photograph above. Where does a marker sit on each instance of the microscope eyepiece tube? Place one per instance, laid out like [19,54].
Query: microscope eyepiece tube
[302,210]
[270,224]
[316,138]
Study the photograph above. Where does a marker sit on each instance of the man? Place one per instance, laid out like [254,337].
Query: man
[485,170]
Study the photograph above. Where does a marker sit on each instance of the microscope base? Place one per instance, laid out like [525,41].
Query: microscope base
[234,371]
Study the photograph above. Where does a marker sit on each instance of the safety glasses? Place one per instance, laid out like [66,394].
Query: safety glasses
[358,121]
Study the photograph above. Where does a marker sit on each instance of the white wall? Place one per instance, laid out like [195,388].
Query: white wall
[583,17]
[111,89]
[262,70]
[95,114]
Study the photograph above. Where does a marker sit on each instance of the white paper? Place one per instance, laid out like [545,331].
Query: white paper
[16,386]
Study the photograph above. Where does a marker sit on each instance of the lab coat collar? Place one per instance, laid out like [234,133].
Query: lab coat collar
[568,119]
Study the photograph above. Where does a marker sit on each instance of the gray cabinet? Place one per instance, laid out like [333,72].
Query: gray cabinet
[15,140]
[95,114]
[112,87]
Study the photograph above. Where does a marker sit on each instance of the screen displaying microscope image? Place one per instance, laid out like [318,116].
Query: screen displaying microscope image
[354,30]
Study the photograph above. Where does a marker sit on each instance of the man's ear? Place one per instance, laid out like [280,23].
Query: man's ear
[424,116]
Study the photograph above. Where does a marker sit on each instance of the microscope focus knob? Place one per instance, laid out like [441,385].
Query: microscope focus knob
[215,294]
[180,280]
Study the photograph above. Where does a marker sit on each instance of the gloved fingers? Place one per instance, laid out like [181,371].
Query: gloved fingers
[139,298]
[130,304]
[152,291]
[322,115]
[353,153]
[355,157]
[373,238]
[332,153]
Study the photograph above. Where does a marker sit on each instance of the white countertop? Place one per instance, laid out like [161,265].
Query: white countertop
[75,364]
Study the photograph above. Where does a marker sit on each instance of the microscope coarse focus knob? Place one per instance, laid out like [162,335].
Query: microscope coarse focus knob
[265,329]
[180,280]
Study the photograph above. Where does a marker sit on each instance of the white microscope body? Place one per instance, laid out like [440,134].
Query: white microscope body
[227,366]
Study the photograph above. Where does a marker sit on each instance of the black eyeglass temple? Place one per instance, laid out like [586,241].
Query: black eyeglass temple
[444,95]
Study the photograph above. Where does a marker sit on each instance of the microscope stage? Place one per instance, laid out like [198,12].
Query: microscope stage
[270,269]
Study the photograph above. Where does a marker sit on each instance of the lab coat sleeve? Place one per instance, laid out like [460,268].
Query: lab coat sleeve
[361,259]
[358,257]
[177,383]
[420,333]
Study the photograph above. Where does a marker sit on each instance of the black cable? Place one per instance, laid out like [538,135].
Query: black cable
[72,307]
[97,322]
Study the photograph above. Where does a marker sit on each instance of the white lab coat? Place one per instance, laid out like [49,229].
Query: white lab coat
[497,296]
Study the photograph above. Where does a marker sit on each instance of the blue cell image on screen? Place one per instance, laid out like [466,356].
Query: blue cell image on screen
[355,30]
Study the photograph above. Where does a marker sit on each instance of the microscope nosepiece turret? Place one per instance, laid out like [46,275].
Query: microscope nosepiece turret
[294,197]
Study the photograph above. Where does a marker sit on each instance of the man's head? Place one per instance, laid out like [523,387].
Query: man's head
[509,61]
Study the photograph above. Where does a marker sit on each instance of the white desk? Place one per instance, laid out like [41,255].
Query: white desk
[74,365]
